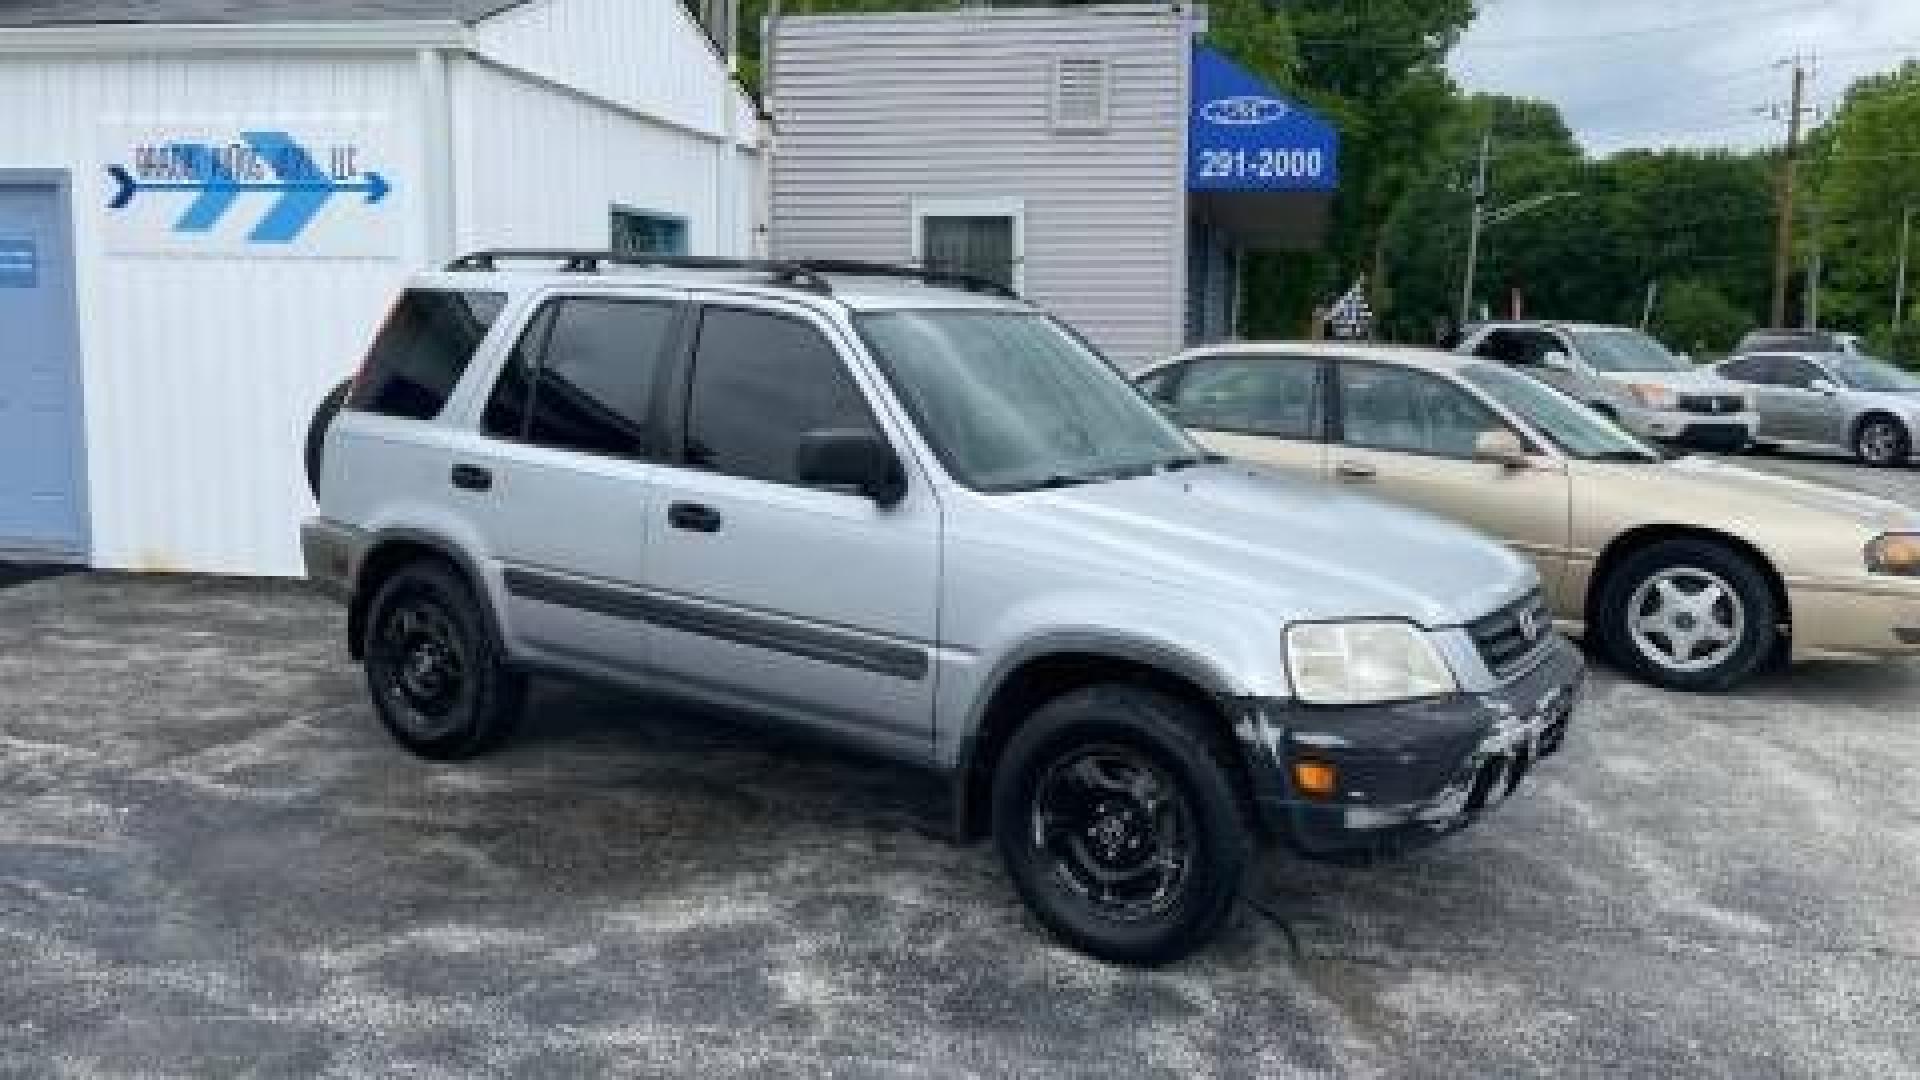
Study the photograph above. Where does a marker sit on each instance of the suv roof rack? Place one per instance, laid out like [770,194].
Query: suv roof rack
[809,274]
[946,278]
[573,261]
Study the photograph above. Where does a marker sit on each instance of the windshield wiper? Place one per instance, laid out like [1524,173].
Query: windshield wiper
[1190,461]
[1061,480]
[1639,457]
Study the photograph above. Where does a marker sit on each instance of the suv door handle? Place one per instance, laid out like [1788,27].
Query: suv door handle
[472,478]
[693,517]
[1355,470]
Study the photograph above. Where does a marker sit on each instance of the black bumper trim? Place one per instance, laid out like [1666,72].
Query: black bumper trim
[1410,772]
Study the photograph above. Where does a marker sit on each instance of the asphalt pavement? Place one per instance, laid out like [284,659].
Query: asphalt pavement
[213,863]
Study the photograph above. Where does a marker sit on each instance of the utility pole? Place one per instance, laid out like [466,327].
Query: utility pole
[1473,227]
[1900,276]
[1653,297]
[1815,266]
[1783,240]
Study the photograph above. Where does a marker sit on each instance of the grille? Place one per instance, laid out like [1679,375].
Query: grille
[1503,637]
[1712,404]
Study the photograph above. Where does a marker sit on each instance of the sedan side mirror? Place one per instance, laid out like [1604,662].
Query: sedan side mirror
[1823,386]
[1556,361]
[856,460]
[1502,447]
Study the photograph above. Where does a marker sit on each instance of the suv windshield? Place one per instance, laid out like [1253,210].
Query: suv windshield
[1574,428]
[1868,373]
[1011,401]
[1626,350]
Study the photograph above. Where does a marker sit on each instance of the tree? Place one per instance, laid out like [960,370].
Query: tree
[1864,174]
[1377,72]
[1694,316]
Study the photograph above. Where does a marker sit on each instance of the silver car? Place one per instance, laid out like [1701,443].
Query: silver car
[1628,377]
[1854,402]
[915,513]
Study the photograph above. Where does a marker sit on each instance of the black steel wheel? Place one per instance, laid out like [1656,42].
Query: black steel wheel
[1123,822]
[433,669]
[1118,831]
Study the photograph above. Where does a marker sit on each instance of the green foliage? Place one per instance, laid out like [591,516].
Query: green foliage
[1864,172]
[1692,315]
[1377,72]
[1699,220]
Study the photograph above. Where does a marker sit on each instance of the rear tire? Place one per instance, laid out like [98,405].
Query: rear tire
[435,672]
[1688,614]
[1123,823]
[1882,442]
[323,415]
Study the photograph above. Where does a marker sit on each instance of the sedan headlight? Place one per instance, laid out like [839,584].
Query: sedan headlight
[1653,395]
[1358,663]
[1895,553]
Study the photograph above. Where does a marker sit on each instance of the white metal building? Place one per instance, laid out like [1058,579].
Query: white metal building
[205,207]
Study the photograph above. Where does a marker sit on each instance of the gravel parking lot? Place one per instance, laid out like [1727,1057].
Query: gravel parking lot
[213,863]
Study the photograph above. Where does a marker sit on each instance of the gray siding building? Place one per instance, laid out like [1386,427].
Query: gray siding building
[1051,148]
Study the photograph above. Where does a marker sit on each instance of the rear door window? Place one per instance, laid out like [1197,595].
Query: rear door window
[1796,372]
[423,350]
[1253,395]
[1746,369]
[584,377]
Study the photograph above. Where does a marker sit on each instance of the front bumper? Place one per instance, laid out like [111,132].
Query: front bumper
[1877,617]
[1713,431]
[1412,772]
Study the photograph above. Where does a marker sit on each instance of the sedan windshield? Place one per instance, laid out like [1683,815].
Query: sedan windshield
[1867,373]
[1626,350]
[1575,429]
[1011,401]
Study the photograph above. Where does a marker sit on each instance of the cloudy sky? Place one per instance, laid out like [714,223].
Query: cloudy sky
[1660,73]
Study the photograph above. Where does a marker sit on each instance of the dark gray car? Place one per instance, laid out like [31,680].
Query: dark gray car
[1832,399]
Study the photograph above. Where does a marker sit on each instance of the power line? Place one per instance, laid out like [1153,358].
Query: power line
[1557,40]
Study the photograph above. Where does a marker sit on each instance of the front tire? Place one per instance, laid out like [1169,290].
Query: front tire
[1689,614]
[1123,823]
[437,677]
[1882,442]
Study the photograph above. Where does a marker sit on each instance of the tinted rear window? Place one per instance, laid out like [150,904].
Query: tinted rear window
[422,351]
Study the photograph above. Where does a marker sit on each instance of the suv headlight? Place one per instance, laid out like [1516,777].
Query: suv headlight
[1358,663]
[1895,553]
[1653,395]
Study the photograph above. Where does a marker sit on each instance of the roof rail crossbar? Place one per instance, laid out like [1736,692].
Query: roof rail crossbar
[803,273]
[930,276]
[589,262]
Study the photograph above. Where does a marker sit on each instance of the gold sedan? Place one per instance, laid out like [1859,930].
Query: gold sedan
[1689,572]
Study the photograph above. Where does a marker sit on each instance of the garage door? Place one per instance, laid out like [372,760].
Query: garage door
[40,431]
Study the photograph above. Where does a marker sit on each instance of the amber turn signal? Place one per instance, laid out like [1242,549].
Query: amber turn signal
[1895,553]
[1315,778]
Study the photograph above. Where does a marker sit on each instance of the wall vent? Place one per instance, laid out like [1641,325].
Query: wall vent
[1082,93]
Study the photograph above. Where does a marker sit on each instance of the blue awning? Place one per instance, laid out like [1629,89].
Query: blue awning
[1260,167]
[1242,136]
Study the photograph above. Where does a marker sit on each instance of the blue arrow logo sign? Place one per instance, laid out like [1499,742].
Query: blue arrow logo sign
[266,162]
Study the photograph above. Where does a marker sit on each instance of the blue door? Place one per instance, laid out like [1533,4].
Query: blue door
[40,431]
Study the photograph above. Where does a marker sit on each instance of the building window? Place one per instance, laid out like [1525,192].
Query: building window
[982,238]
[643,232]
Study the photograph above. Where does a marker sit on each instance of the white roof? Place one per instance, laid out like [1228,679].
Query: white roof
[1403,355]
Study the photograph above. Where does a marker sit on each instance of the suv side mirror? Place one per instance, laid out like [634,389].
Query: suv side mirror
[1823,386]
[851,459]
[1500,446]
